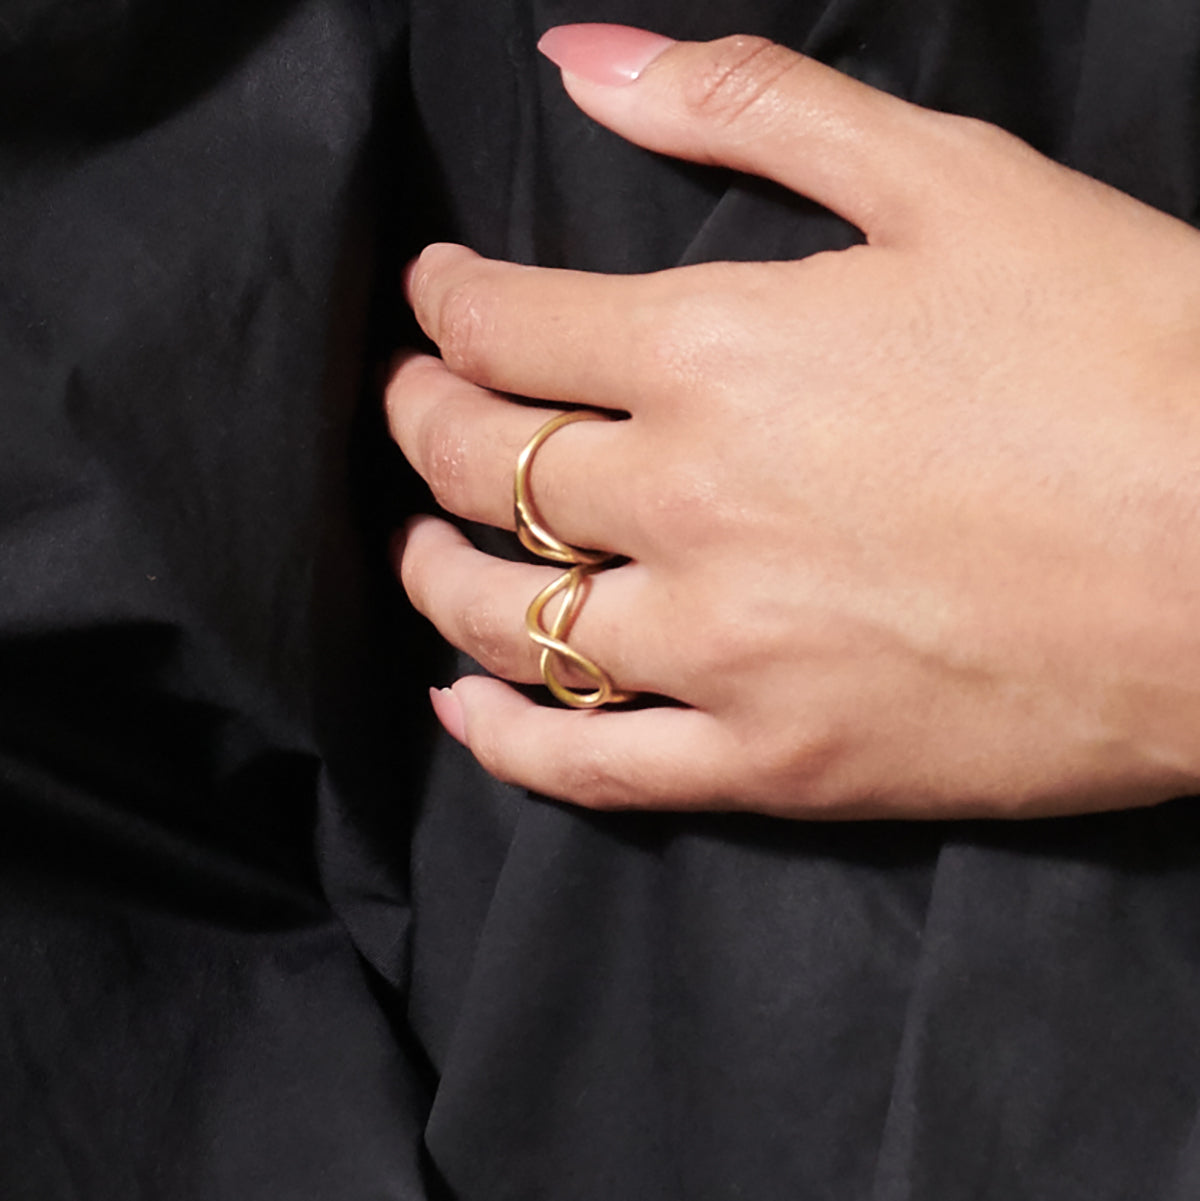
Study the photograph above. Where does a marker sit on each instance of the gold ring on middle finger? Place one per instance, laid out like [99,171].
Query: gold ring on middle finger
[533,532]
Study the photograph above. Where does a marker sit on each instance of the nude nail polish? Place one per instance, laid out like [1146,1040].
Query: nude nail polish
[604,54]
[449,712]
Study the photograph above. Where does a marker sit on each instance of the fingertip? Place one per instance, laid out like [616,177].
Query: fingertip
[449,712]
[430,526]
[427,543]
[399,393]
[405,362]
[400,359]
[387,374]
[418,269]
[609,55]
[492,715]
[494,712]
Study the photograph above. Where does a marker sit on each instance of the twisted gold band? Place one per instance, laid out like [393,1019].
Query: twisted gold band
[535,536]
[531,530]
[555,649]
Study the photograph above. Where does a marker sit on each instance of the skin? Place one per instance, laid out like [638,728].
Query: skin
[911,528]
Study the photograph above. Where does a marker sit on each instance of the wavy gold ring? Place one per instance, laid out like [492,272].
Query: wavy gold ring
[531,529]
[555,650]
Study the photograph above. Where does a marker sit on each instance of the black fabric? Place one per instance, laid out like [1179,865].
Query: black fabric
[262,933]
[187,662]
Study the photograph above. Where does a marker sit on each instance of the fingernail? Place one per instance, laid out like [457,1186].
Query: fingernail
[449,712]
[604,54]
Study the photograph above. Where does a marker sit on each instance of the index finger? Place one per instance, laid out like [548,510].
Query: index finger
[578,337]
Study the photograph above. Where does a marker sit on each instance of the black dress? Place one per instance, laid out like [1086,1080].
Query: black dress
[264,935]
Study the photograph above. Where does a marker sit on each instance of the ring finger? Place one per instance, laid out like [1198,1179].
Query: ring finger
[478,603]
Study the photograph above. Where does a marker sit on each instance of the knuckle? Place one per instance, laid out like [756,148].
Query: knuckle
[969,146]
[726,645]
[672,345]
[684,342]
[492,640]
[808,757]
[445,450]
[795,767]
[595,778]
[974,170]
[686,508]
[463,323]
[976,132]
[490,747]
[741,73]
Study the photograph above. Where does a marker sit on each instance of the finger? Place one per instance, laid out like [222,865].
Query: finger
[478,604]
[576,337]
[464,442]
[747,103]
[666,758]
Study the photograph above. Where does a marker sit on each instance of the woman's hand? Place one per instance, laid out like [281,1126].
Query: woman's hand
[913,528]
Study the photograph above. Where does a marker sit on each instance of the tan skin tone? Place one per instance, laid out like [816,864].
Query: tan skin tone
[913,529]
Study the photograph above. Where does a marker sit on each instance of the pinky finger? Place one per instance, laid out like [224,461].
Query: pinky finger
[658,758]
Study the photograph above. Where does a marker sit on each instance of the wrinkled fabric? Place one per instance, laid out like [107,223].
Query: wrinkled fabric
[263,933]
[188,197]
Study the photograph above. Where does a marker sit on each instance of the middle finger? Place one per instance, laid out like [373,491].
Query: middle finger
[464,442]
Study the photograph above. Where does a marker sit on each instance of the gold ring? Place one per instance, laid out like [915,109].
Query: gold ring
[531,530]
[554,646]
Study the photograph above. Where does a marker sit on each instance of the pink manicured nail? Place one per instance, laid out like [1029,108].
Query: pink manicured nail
[605,54]
[449,712]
